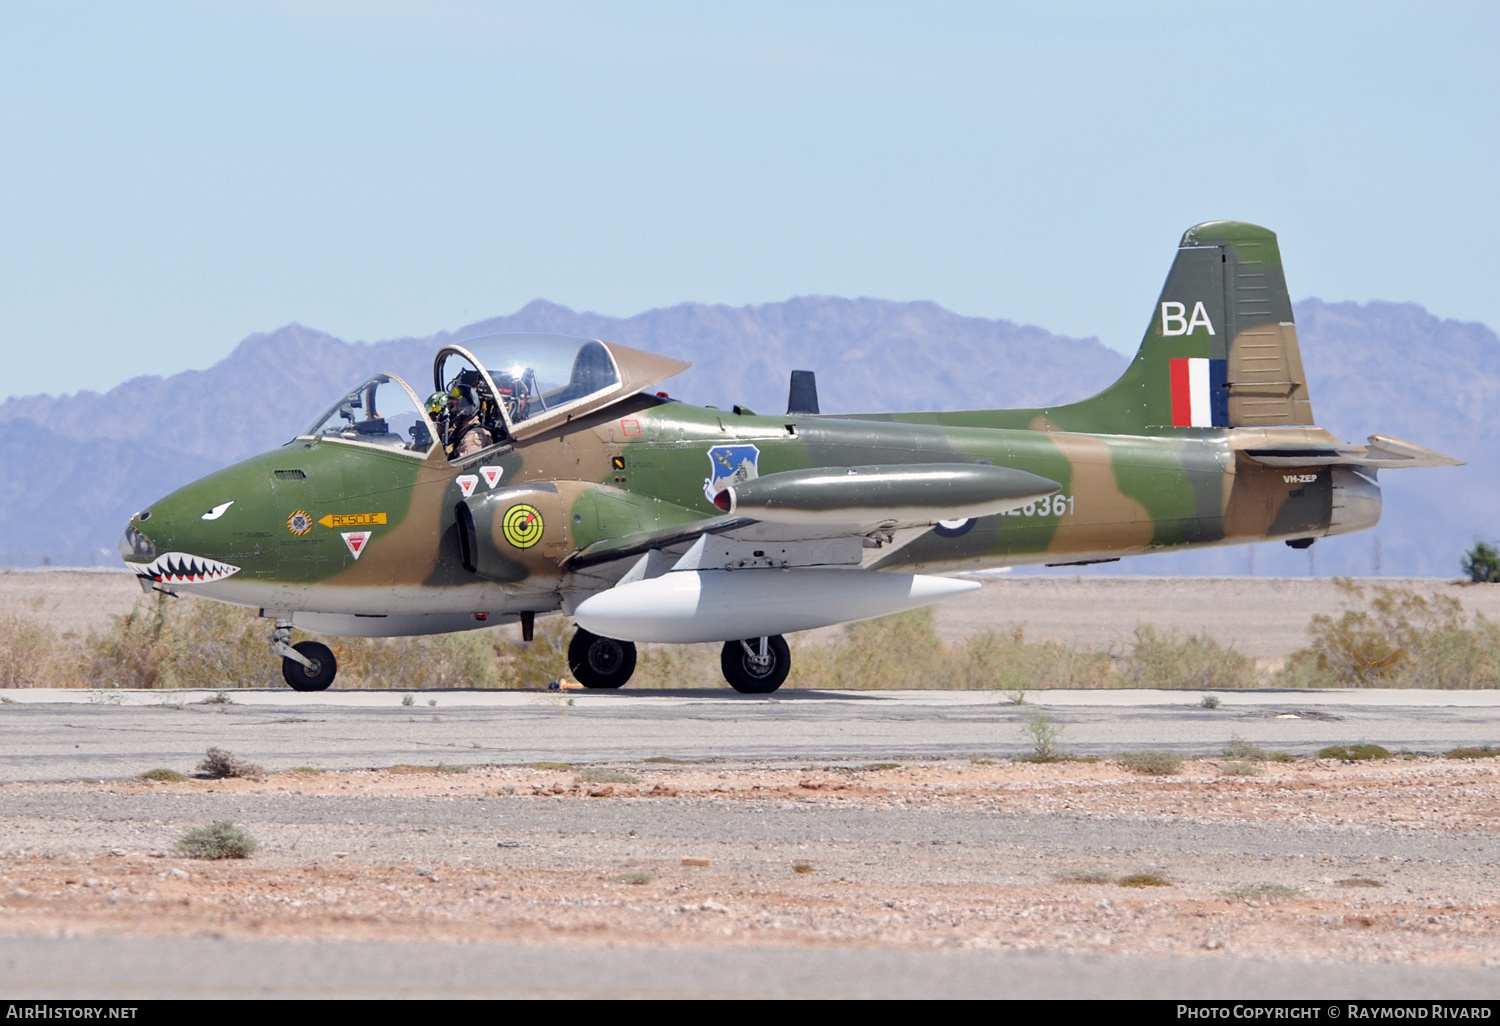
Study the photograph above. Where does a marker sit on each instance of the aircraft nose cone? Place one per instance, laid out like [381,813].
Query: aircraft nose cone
[136,545]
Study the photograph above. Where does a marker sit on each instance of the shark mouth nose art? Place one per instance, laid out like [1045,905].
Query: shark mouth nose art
[184,568]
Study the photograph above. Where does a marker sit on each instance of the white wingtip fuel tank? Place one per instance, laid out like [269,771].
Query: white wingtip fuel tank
[688,606]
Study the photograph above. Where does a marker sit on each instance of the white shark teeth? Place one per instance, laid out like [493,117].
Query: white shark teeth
[185,568]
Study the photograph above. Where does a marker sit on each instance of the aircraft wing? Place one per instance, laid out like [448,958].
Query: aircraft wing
[828,515]
[1381,452]
[609,550]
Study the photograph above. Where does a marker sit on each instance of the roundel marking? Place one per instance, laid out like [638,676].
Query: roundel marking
[953,528]
[522,525]
[299,523]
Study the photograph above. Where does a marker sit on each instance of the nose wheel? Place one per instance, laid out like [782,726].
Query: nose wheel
[600,662]
[316,673]
[756,666]
[307,665]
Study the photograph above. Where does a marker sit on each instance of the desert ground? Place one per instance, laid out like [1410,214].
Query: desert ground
[1312,862]
[880,849]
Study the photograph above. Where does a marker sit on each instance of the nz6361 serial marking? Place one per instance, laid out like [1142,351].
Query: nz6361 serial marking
[545,475]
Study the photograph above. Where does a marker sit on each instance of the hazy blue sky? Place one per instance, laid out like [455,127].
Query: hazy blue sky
[174,176]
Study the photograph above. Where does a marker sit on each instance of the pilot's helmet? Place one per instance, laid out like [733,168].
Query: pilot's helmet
[513,394]
[463,397]
[437,402]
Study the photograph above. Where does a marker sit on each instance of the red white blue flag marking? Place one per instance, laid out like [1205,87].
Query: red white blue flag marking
[1200,397]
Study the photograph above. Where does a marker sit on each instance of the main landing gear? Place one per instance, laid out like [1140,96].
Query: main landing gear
[307,665]
[600,662]
[754,666]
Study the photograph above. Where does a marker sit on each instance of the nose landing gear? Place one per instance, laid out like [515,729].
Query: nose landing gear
[756,666]
[307,665]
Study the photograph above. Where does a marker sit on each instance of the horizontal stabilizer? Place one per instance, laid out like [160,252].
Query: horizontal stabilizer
[1382,452]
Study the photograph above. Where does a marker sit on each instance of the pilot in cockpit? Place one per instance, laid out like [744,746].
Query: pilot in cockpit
[466,433]
[437,412]
[515,393]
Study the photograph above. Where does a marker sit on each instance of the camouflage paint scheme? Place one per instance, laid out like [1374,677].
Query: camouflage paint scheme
[617,481]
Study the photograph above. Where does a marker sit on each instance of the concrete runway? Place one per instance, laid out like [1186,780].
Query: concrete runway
[208,967]
[72,734]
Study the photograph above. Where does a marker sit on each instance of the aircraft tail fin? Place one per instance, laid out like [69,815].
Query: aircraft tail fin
[1221,349]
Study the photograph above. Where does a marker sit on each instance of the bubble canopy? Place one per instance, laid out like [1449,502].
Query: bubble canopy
[534,375]
[381,411]
[535,380]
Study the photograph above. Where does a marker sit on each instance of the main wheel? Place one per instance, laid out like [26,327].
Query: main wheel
[316,677]
[751,673]
[600,662]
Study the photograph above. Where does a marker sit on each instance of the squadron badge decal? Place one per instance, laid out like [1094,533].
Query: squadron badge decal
[730,465]
[299,523]
[522,525]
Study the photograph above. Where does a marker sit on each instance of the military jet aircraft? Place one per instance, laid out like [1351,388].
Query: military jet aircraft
[545,475]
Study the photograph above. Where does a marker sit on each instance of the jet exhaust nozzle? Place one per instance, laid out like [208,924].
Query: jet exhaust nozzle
[1356,500]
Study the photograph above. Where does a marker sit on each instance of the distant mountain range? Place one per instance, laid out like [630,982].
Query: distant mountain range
[75,467]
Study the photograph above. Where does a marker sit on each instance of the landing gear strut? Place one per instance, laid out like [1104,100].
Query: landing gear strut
[600,662]
[756,666]
[307,665]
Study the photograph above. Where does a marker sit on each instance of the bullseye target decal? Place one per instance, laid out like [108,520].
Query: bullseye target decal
[522,525]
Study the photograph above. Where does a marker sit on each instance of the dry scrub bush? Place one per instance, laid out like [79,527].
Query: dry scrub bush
[1160,764]
[170,643]
[904,651]
[1044,736]
[133,652]
[677,666]
[1354,753]
[32,655]
[521,664]
[1160,660]
[1403,639]
[1088,876]
[221,840]
[1240,750]
[192,644]
[219,764]
[1263,891]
